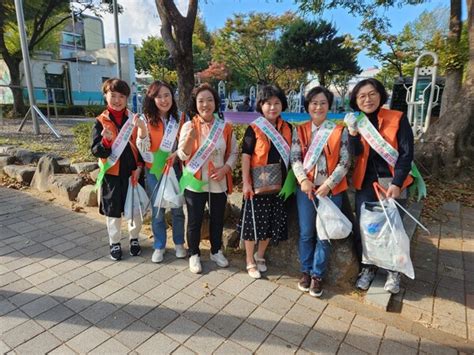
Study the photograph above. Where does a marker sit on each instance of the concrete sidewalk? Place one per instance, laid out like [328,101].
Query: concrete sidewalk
[60,293]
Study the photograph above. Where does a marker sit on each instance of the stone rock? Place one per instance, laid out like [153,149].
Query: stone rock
[65,186]
[79,168]
[4,161]
[26,156]
[230,238]
[64,166]
[232,210]
[343,265]
[87,196]
[47,166]
[93,174]
[20,173]
[7,149]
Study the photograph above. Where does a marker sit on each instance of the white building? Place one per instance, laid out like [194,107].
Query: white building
[84,63]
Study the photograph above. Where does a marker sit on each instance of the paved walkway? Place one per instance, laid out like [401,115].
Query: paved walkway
[442,295]
[60,293]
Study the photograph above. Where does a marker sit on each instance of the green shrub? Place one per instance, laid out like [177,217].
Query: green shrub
[93,110]
[82,138]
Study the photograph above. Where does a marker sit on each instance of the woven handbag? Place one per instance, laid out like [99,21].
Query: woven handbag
[267,179]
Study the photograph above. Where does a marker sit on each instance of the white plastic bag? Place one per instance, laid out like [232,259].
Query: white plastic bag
[384,240]
[168,195]
[136,202]
[331,223]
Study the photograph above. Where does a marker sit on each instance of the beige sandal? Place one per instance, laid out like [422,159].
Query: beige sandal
[253,272]
[261,264]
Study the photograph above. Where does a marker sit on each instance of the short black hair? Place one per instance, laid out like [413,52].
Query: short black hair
[316,91]
[268,91]
[199,89]
[378,86]
[116,85]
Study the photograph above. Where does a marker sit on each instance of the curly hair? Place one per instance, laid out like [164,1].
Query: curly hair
[267,92]
[199,89]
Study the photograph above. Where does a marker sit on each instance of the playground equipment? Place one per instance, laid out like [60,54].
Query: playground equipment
[422,95]
[295,100]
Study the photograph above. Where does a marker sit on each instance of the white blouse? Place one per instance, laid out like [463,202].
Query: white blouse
[217,156]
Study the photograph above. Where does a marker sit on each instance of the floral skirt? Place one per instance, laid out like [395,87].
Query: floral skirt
[271,219]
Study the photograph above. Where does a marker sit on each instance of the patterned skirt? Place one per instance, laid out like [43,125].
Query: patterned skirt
[271,219]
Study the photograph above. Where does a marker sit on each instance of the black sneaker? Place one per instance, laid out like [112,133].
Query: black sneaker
[305,282]
[316,289]
[116,251]
[135,249]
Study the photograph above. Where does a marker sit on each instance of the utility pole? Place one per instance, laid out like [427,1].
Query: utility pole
[26,62]
[117,40]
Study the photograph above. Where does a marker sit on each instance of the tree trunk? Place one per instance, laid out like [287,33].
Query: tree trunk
[177,33]
[448,148]
[184,68]
[19,108]
[453,76]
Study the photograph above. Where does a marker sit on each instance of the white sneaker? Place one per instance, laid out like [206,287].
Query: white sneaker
[180,251]
[195,264]
[157,256]
[392,284]
[219,259]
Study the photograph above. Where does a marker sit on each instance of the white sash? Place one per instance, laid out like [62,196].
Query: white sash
[169,137]
[277,139]
[207,147]
[376,141]
[121,141]
[317,145]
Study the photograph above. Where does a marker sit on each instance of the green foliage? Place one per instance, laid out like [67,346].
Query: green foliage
[82,137]
[315,46]
[246,46]
[63,110]
[429,32]
[152,52]
[153,57]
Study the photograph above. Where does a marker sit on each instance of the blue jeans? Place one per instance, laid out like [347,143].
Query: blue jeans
[314,253]
[158,225]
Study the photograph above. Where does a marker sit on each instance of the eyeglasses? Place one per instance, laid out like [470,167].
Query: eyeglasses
[371,95]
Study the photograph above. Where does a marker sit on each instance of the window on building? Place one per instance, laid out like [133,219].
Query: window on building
[56,87]
[73,40]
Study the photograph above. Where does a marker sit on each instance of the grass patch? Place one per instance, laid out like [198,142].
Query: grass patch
[28,145]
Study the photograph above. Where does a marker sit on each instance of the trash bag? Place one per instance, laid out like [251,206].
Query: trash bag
[136,202]
[168,194]
[384,240]
[331,223]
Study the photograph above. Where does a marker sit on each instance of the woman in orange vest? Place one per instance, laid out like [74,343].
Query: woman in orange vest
[368,96]
[320,160]
[114,183]
[264,216]
[208,147]
[161,112]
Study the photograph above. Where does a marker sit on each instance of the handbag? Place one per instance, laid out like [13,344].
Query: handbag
[267,179]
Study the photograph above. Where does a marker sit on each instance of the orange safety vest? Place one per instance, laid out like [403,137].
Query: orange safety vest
[262,144]
[331,151]
[389,123]
[110,125]
[228,147]
[156,135]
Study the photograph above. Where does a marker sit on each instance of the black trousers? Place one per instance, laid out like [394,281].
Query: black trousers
[195,203]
